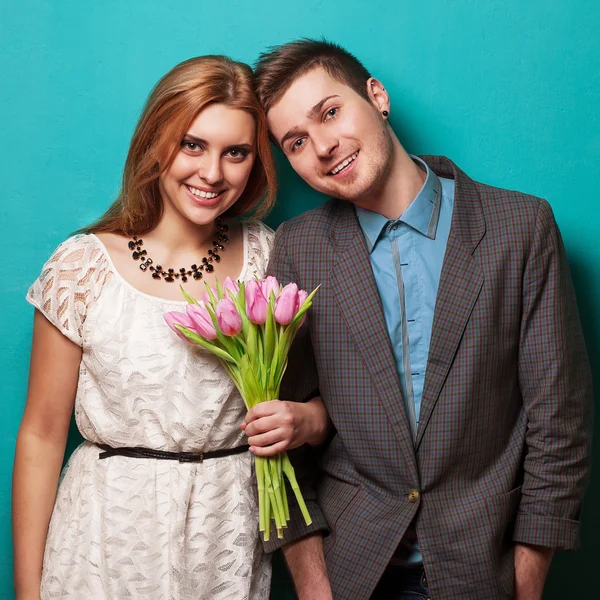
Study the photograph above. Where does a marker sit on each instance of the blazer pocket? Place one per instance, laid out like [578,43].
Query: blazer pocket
[501,511]
[335,498]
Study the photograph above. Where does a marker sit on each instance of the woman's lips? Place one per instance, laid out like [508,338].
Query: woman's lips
[201,200]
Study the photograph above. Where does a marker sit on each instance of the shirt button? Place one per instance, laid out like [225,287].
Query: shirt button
[413,495]
[394,226]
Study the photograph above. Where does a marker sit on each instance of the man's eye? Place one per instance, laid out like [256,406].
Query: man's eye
[331,113]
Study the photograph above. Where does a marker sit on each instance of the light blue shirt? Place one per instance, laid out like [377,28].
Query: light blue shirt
[406,257]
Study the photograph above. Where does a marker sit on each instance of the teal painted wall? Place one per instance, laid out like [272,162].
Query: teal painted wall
[508,89]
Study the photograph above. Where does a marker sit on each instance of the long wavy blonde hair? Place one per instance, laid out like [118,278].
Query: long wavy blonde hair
[170,109]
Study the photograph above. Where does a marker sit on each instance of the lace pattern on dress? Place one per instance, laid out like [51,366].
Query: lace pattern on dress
[70,281]
[260,243]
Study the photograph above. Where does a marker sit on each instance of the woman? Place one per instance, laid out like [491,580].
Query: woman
[125,525]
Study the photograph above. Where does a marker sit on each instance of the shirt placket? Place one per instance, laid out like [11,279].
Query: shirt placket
[401,252]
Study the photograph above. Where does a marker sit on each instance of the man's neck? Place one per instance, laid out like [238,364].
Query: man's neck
[399,186]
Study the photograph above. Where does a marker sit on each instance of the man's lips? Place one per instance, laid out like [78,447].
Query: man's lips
[343,165]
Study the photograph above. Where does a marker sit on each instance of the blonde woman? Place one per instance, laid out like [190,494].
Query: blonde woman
[137,513]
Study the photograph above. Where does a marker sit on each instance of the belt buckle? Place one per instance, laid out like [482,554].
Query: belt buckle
[188,457]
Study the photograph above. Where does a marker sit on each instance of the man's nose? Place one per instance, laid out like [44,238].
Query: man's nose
[325,145]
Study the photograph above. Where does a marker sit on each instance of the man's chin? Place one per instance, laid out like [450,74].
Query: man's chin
[351,190]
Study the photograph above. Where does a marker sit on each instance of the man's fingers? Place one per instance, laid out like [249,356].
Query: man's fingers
[266,439]
[268,450]
[262,425]
[263,409]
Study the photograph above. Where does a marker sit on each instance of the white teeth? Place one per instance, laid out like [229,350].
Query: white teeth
[202,194]
[343,164]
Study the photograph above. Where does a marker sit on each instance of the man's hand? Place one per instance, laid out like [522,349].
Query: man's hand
[531,568]
[276,426]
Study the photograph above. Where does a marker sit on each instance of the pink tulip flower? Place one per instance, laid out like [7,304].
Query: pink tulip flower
[231,285]
[286,305]
[268,285]
[302,296]
[202,321]
[178,318]
[228,318]
[256,303]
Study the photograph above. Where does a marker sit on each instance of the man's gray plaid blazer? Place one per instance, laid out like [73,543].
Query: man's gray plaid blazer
[502,450]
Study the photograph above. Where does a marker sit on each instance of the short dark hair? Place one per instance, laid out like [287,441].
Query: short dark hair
[280,66]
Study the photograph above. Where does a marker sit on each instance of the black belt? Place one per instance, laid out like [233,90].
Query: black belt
[182,457]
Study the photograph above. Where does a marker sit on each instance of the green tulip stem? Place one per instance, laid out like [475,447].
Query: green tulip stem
[288,469]
[260,480]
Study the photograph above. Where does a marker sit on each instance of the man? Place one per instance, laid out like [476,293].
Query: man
[446,345]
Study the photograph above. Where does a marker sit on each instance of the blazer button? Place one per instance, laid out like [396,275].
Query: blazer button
[413,495]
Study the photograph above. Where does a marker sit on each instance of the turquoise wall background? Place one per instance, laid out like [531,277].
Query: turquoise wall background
[508,89]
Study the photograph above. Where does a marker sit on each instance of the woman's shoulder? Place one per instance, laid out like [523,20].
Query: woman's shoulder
[78,250]
[70,281]
[260,244]
[260,235]
[81,257]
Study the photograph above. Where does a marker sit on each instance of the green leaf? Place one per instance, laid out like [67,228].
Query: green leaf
[209,291]
[197,339]
[190,299]
[220,293]
[240,306]
[252,341]
[252,390]
[242,295]
[231,344]
[270,333]
[305,306]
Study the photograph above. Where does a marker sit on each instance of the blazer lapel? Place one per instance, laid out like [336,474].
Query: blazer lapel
[461,281]
[356,292]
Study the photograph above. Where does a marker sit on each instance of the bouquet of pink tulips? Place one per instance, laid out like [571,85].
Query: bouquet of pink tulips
[250,327]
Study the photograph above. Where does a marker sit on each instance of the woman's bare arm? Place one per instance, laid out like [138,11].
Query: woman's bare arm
[41,441]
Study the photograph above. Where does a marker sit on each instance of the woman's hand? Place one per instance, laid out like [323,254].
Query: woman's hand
[278,425]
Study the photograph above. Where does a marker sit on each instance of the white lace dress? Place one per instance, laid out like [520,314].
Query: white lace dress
[142,528]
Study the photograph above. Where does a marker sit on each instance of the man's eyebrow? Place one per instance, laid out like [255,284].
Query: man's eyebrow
[316,109]
[311,114]
[293,132]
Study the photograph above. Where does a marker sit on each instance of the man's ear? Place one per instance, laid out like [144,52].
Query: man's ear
[378,96]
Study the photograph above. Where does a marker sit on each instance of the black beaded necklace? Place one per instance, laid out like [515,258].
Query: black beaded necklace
[194,271]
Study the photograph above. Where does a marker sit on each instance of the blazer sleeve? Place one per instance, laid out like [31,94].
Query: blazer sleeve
[555,380]
[300,384]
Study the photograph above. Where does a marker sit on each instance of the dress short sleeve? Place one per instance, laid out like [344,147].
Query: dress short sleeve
[69,283]
[260,241]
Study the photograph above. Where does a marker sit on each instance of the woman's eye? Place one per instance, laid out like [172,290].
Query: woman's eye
[191,146]
[331,113]
[297,144]
[237,153]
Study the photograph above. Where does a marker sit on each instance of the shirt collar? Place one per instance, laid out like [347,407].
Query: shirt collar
[421,215]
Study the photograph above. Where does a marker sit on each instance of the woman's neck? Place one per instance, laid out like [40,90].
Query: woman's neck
[177,235]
